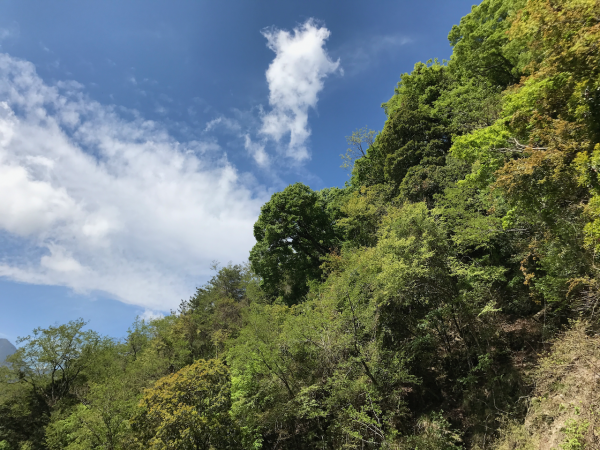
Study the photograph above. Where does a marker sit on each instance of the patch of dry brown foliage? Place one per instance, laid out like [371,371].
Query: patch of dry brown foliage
[565,405]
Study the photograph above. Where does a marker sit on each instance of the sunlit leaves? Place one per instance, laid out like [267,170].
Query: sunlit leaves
[187,410]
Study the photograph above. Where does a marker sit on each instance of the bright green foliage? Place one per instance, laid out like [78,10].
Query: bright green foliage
[314,373]
[363,210]
[434,432]
[546,121]
[101,421]
[587,166]
[302,374]
[481,45]
[574,435]
[187,410]
[229,282]
[138,337]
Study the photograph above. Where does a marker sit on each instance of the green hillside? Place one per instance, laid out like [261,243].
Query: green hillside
[446,298]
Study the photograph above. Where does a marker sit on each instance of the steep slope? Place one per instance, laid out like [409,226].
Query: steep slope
[563,408]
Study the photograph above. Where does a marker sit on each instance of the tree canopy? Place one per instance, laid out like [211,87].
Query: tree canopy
[294,231]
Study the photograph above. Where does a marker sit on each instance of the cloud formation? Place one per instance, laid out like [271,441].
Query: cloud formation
[257,151]
[367,51]
[295,78]
[95,201]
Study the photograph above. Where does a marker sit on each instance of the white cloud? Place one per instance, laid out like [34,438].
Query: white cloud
[60,260]
[98,202]
[149,315]
[295,79]
[223,122]
[29,206]
[257,151]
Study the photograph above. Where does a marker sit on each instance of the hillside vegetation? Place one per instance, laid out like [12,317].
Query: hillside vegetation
[445,298]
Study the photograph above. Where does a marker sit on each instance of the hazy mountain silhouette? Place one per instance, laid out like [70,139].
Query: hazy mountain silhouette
[6,348]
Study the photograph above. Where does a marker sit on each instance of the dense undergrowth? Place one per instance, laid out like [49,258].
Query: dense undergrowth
[446,298]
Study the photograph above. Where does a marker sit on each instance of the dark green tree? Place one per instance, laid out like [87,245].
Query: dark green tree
[411,152]
[294,231]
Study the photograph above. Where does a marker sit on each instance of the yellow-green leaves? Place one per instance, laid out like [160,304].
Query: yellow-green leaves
[487,149]
[188,410]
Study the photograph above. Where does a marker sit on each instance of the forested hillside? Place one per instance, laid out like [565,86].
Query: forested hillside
[445,298]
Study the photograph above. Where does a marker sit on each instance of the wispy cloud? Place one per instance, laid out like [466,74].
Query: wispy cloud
[257,151]
[94,201]
[295,78]
[223,122]
[10,32]
[365,53]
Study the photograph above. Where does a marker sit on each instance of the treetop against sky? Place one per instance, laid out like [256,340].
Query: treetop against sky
[139,140]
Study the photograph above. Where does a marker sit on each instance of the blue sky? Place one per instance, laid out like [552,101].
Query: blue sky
[139,139]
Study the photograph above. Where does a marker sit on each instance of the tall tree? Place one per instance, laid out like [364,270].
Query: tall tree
[296,228]
[52,360]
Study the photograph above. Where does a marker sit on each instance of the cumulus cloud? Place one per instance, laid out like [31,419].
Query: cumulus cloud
[95,201]
[295,78]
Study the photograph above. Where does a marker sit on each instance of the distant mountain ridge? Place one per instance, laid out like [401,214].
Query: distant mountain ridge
[6,349]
